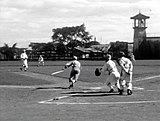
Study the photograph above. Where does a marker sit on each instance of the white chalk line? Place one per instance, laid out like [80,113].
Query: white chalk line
[146,78]
[98,103]
[138,88]
[15,86]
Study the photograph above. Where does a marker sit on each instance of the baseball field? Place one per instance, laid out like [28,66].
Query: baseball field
[35,95]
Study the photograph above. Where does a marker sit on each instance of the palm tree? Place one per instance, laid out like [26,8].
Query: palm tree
[8,52]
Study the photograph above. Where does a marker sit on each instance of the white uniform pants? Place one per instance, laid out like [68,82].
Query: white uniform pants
[25,64]
[126,80]
[113,79]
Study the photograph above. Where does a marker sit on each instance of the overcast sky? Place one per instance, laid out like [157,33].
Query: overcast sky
[25,21]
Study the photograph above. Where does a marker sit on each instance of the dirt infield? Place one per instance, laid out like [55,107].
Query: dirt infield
[34,96]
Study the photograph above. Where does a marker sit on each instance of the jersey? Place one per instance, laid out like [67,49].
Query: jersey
[75,64]
[126,64]
[109,66]
[40,59]
[24,56]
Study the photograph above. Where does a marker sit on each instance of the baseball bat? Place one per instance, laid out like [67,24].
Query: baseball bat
[57,72]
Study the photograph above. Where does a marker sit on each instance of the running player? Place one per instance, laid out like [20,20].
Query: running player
[24,58]
[126,72]
[75,72]
[113,74]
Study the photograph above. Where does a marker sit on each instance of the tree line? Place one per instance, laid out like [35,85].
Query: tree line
[64,40]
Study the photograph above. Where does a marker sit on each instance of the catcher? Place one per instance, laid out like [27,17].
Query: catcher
[113,74]
[75,72]
[126,72]
[24,58]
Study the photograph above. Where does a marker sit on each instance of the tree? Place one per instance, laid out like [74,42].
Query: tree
[37,46]
[89,44]
[9,52]
[61,49]
[71,36]
[118,46]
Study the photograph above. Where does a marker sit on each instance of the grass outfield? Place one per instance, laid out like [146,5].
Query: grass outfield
[142,68]
[21,100]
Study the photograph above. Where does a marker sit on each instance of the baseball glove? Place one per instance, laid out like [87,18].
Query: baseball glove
[97,72]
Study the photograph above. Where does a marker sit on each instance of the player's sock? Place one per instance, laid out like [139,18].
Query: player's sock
[70,86]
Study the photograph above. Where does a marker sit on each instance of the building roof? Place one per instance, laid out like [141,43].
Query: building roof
[153,38]
[140,16]
[87,50]
[101,47]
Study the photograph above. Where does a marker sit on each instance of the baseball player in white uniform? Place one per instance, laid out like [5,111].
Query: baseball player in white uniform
[75,72]
[24,58]
[126,73]
[113,74]
[40,60]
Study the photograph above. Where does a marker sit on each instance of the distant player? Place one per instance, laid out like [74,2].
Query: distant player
[40,60]
[113,74]
[24,58]
[75,72]
[126,72]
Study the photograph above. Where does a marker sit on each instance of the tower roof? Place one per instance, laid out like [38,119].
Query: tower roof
[140,16]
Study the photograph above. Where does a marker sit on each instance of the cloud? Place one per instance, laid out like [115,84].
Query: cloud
[109,20]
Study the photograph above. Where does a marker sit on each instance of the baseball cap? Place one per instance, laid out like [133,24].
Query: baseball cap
[75,57]
[108,57]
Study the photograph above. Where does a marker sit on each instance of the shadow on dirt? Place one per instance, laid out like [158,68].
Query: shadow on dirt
[90,93]
[41,88]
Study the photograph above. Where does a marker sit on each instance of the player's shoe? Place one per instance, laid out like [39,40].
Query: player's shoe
[120,91]
[129,92]
[110,91]
[70,86]
[21,69]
